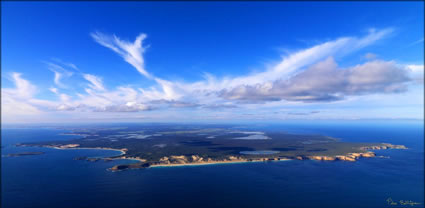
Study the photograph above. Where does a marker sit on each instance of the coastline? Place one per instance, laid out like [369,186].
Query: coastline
[94,148]
[214,163]
[75,147]
[195,160]
[118,157]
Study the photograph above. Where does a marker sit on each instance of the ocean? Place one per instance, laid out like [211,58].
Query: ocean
[55,179]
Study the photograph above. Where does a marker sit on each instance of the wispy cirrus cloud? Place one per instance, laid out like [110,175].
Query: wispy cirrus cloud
[306,76]
[54,90]
[23,90]
[96,82]
[132,52]
[207,89]
[417,42]
[60,73]
[67,64]
[20,100]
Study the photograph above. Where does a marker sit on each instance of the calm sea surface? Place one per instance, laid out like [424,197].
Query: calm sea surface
[54,179]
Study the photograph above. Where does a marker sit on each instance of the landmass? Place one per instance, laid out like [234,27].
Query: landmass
[163,146]
[24,154]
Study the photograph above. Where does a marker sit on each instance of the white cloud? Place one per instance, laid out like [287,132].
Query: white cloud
[127,107]
[370,56]
[54,90]
[24,89]
[289,65]
[205,90]
[324,81]
[416,72]
[15,100]
[417,42]
[96,82]
[57,78]
[301,76]
[64,97]
[70,65]
[131,52]
[60,73]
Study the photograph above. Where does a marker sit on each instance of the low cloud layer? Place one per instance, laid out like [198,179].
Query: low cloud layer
[325,81]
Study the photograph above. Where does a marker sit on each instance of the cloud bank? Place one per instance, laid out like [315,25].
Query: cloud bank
[324,81]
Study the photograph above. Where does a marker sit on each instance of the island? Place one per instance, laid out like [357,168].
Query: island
[167,146]
[19,154]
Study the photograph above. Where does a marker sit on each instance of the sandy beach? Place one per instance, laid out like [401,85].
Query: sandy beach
[214,163]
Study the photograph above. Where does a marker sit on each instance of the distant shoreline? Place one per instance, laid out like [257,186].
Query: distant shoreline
[95,148]
[118,157]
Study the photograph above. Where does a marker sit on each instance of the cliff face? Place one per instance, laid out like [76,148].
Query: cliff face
[355,155]
[384,146]
[196,159]
[349,157]
[346,158]
[193,159]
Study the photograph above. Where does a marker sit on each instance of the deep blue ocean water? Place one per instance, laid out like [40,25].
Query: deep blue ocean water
[54,179]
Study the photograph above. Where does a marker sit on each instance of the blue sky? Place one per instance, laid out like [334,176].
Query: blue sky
[211,61]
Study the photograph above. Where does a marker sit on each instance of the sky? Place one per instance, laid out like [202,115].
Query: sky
[66,62]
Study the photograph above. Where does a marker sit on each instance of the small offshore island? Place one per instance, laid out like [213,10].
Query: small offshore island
[19,154]
[166,146]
